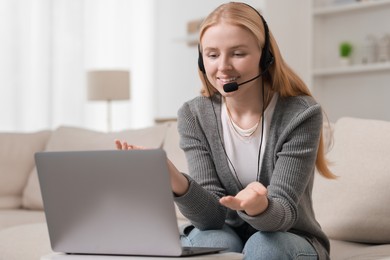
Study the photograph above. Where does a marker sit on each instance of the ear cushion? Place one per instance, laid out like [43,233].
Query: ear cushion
[200,61]
[266,60]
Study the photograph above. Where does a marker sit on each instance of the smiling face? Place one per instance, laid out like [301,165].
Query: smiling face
[230,53]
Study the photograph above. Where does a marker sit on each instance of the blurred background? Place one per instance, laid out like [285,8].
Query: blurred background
[47,48]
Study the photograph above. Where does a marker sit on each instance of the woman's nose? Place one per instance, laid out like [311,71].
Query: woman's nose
[224,63]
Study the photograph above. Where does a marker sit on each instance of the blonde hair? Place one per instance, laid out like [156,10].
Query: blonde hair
[281,78]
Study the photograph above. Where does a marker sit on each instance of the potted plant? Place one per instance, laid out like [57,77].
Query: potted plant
[345,49]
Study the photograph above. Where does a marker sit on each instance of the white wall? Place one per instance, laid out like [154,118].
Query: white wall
[289,22]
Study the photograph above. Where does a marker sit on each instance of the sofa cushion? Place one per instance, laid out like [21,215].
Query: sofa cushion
[71,138]
[172,148]
[355,207]
[25,242]
[16,217]
[350,250]
[16,162]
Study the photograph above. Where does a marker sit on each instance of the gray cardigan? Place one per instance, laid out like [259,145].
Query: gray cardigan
[287,169]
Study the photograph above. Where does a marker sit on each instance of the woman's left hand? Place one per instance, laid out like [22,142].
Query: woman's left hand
[252,199]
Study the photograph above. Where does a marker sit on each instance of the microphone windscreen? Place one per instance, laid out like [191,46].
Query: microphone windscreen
[230,87]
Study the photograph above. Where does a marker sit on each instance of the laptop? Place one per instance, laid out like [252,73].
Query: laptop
[110,202]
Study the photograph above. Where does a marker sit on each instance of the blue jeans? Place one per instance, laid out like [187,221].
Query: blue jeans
[260,245]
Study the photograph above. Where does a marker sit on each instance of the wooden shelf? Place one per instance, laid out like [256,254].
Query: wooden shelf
[344,8]
[353,69]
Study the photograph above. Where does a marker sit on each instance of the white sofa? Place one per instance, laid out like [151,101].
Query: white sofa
[354,210]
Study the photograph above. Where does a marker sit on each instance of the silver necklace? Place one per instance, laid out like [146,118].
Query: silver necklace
[238,130]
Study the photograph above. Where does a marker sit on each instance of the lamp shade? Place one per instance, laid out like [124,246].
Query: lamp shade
[108,85]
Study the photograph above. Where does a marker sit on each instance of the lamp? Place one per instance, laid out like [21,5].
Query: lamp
[108,85]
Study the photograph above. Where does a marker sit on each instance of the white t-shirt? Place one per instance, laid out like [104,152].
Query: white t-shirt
[243,151]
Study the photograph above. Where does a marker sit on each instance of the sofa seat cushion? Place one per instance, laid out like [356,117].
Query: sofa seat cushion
[15,217]
[27,242]
[355,207]
[16,162]
[342,250]
[77,139]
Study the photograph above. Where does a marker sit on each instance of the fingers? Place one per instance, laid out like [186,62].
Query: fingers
[125,146]
[231,202]
[122,145]
[118,144]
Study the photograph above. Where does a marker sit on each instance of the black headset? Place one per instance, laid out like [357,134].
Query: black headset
[267,58]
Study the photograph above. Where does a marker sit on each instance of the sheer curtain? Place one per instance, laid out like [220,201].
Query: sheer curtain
[46,48]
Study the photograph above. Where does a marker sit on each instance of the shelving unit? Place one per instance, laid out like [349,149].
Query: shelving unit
[345,8]
[353,69]
[347,90]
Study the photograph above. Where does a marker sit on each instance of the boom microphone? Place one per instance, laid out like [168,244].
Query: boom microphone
[233,86]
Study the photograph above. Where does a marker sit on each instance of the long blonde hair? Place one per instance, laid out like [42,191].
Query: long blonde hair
[281,79]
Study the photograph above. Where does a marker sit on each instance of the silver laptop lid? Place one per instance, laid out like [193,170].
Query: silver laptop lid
[109,202]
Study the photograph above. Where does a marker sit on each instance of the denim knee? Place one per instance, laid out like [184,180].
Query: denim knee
[278,246]
[224,237]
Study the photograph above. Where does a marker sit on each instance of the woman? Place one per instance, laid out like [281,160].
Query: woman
[252,142]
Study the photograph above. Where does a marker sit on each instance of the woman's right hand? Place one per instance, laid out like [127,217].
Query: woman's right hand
[125,146]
